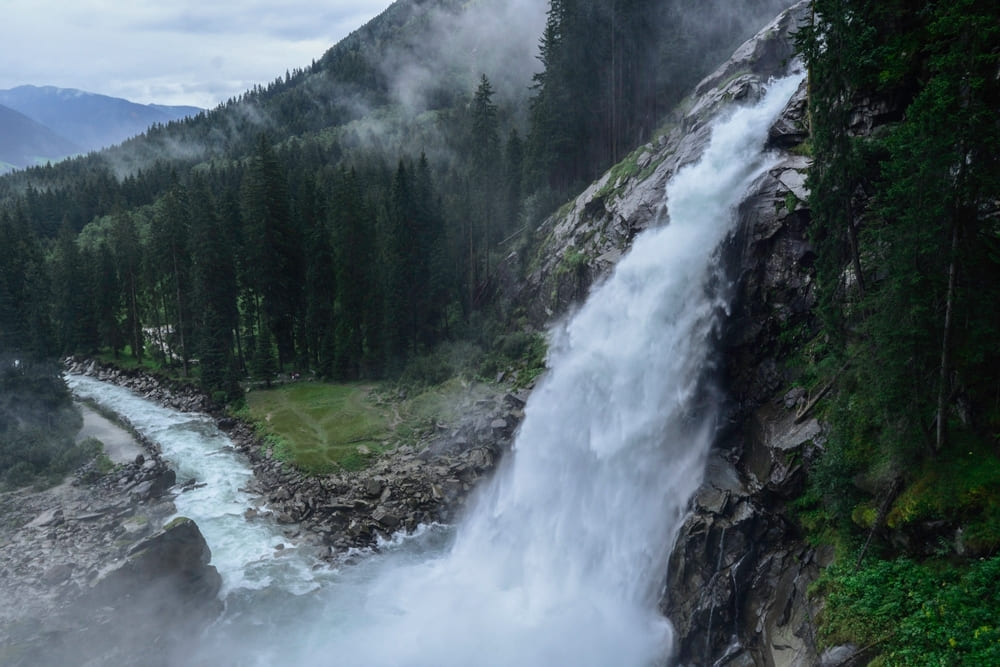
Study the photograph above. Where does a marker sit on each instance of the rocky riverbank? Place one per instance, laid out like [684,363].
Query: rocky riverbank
[69,558]
[410,485]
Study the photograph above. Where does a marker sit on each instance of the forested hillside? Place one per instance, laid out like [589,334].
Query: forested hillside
[351,215]
[906,205]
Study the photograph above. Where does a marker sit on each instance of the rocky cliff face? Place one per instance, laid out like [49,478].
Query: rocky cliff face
[582,243]
[736,588]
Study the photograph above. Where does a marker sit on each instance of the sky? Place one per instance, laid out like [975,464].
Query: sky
[188,52]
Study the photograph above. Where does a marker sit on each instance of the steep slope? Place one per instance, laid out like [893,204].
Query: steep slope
[25,142]
[92,121]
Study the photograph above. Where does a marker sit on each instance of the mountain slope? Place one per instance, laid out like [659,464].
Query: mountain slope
[25,142]
[92,121]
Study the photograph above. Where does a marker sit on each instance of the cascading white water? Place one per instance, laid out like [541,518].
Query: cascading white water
[242,551]
[561,560]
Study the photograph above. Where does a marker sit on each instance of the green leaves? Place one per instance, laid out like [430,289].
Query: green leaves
[917,614]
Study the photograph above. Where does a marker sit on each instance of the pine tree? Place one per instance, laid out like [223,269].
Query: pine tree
[213,278]
[128,254]
[171,259]
[357,300]
[273,247]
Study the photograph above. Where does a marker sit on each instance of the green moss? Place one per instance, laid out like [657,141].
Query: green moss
[791,202]
[864,515]
[572,261]
[629,168]
[961,485]
[176,522]
[805,149]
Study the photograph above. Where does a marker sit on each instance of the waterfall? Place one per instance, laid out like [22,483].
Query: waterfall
[561,559]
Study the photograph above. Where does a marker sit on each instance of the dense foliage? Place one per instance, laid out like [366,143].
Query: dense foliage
[37,424]
[905,196]
[917,614]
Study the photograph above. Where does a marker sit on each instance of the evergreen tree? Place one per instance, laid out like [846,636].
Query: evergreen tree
[213,277]
[128,254]
[264,365]
[171,259]
[107,293]
[357,301]
[320,283]
[25,296]
[73,315]
[273,247]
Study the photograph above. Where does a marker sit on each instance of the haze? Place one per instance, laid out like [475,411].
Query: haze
[180,52]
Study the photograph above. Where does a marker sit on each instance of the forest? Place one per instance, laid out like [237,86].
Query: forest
[291,232]
[906,227]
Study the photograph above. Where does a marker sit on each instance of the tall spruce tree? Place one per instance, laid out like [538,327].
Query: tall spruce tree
[213,277]
[273,247]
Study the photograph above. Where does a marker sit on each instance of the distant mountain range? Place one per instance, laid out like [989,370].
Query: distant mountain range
[44,123]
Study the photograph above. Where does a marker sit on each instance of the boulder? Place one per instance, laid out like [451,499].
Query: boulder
[169,567]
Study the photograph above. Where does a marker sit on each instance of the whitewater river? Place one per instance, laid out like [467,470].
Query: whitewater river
[561,559]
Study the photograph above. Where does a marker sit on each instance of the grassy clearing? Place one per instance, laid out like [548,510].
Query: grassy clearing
[320,427]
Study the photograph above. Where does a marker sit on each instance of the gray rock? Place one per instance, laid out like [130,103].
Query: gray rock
[57,574]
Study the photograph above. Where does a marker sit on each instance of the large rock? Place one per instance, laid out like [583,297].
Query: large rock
[173,563]
[737,589]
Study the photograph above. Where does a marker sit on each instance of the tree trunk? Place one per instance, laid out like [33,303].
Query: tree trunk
[180,316]
[945,371]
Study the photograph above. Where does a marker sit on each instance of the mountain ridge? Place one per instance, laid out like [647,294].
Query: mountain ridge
[25,142]
[88,121]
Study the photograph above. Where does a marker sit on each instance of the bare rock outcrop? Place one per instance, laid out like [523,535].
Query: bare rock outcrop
[89,572]
[581,243]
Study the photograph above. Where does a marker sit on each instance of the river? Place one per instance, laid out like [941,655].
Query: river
[562,558]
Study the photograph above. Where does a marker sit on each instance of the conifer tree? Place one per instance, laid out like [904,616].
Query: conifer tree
[213,277]
[273,247]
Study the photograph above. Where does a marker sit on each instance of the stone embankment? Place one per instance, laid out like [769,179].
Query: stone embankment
[410,485]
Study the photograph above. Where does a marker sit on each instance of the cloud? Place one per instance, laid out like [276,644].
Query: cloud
[178,52]
[498,38]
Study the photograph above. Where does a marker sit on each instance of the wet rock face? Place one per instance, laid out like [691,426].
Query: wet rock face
[740,571]
[738,578]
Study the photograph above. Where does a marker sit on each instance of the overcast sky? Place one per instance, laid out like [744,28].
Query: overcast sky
[196,52]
